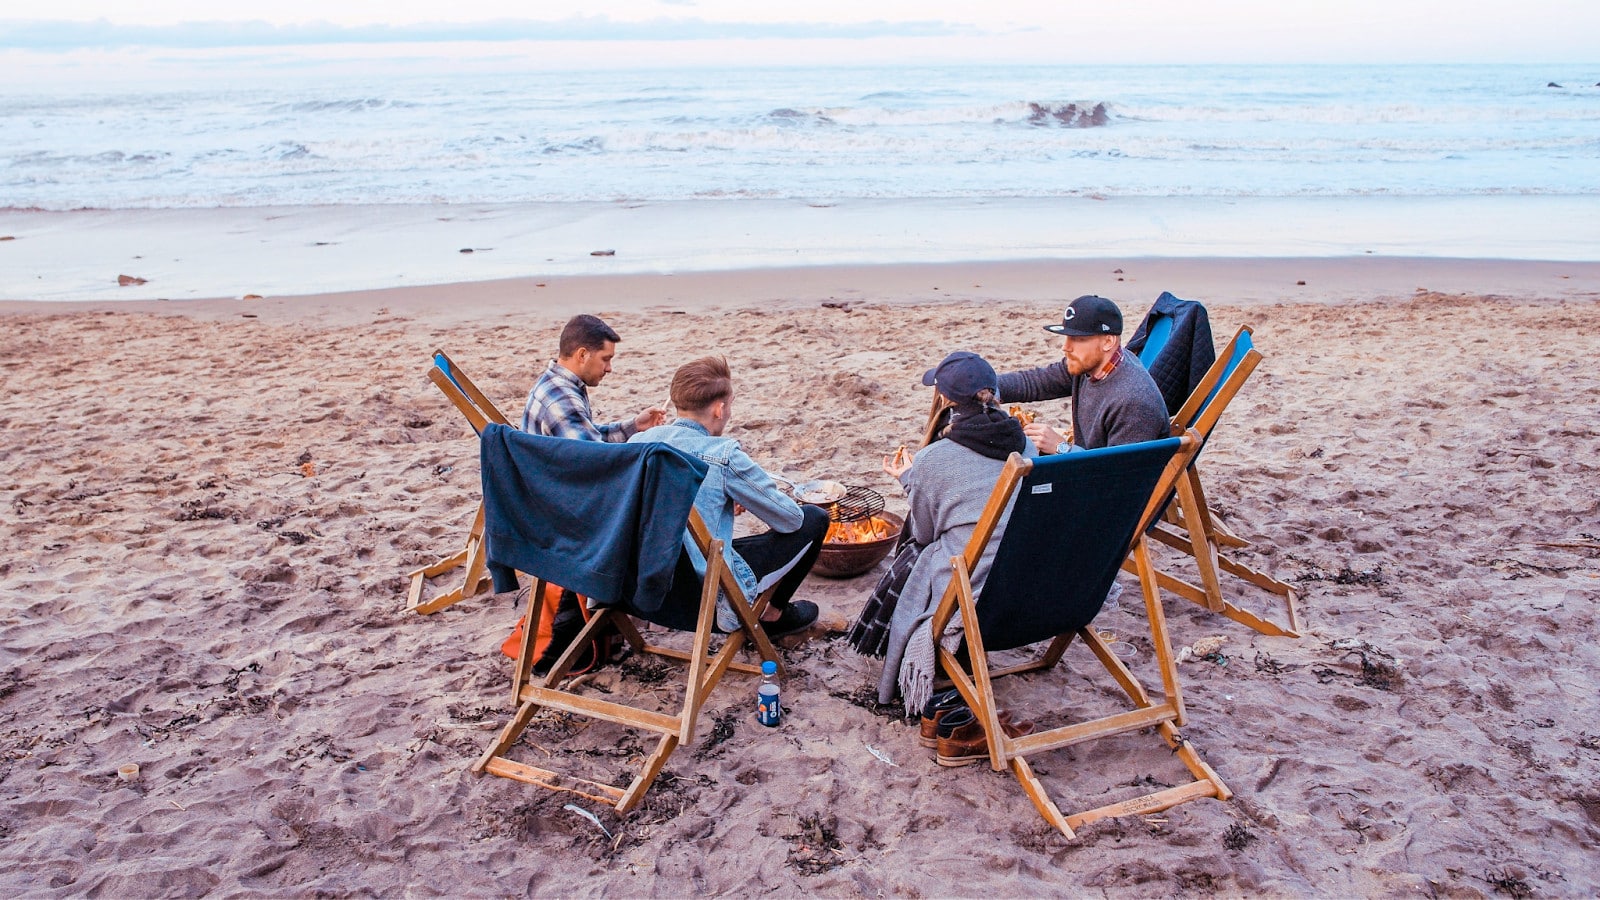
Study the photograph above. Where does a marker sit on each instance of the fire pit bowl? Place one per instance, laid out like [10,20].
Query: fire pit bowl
[840,559]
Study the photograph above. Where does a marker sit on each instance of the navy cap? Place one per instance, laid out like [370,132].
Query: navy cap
[1089,316]
[961,376]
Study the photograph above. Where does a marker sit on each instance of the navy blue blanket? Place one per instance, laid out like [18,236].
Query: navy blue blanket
[1182,362]
[605,520]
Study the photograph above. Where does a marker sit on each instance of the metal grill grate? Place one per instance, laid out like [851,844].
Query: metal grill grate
[857,503]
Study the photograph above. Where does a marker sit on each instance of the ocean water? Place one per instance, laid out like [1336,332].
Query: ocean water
[304,170]
[427,129]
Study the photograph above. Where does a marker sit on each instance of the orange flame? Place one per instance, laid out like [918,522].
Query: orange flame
[872,528]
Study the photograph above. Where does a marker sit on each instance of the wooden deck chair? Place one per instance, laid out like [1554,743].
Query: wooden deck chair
[1191,527]
[704,670]
[479,412]
[1075,517]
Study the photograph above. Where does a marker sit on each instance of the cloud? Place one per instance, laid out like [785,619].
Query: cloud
[58,35]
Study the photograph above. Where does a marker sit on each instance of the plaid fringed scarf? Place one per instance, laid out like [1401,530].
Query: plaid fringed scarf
[870,634]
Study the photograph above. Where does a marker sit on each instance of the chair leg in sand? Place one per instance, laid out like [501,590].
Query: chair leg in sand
[1192,528]
[705,669]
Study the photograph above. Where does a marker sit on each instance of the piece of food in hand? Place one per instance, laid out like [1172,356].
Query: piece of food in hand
[1022,415]
[900,456]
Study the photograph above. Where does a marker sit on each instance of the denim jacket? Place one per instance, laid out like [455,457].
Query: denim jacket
[733,478]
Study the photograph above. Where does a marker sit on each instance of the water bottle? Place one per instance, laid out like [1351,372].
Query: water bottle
[768,711]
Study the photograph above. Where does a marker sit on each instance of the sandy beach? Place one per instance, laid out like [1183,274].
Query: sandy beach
[212,505]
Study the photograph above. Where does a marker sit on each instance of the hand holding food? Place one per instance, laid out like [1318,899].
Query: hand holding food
[1047,439]
[896,465]
[650,418]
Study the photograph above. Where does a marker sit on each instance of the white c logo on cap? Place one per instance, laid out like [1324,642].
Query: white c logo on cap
[1070,315]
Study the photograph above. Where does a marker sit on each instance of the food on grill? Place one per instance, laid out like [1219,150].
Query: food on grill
[820,492]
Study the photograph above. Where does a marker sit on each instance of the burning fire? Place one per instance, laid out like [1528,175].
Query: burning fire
[872,528]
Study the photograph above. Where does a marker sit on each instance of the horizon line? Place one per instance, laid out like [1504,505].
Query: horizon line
[101,33]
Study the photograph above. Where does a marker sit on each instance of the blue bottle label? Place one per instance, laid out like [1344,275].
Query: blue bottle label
[769,711]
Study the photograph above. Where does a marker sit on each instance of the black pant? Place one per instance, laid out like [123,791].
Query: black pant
[769,552]
[766,553]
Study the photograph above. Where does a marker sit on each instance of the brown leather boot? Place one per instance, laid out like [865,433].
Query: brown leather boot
[937,707]
[1014,729]
[960,739]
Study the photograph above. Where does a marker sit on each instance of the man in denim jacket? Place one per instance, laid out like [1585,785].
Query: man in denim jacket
[702,391]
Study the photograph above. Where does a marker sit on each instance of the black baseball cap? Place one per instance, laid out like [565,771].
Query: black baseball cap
[1089,316]
[961,376]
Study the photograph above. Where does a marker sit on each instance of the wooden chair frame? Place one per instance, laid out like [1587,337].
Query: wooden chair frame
[705,670]
[479,412]
[1191,527]
[1165,715]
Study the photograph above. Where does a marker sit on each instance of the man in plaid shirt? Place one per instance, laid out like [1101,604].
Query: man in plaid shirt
[558,405]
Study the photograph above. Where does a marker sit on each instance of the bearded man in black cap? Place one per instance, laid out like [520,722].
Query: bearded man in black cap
[1114,400]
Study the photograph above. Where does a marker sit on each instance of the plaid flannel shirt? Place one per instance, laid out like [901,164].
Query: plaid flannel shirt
[558,406]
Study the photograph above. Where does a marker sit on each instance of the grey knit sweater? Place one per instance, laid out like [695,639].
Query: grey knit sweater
[949,486]
[1125,408]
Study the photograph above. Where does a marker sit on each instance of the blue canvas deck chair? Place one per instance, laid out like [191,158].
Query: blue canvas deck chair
[1192,528]
[1159,332]
[479,412]
[544,511]
[1075,518]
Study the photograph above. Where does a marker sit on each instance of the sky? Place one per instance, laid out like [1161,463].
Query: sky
[668,32]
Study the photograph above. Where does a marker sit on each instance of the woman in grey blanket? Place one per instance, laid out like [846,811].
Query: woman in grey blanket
[948,483]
